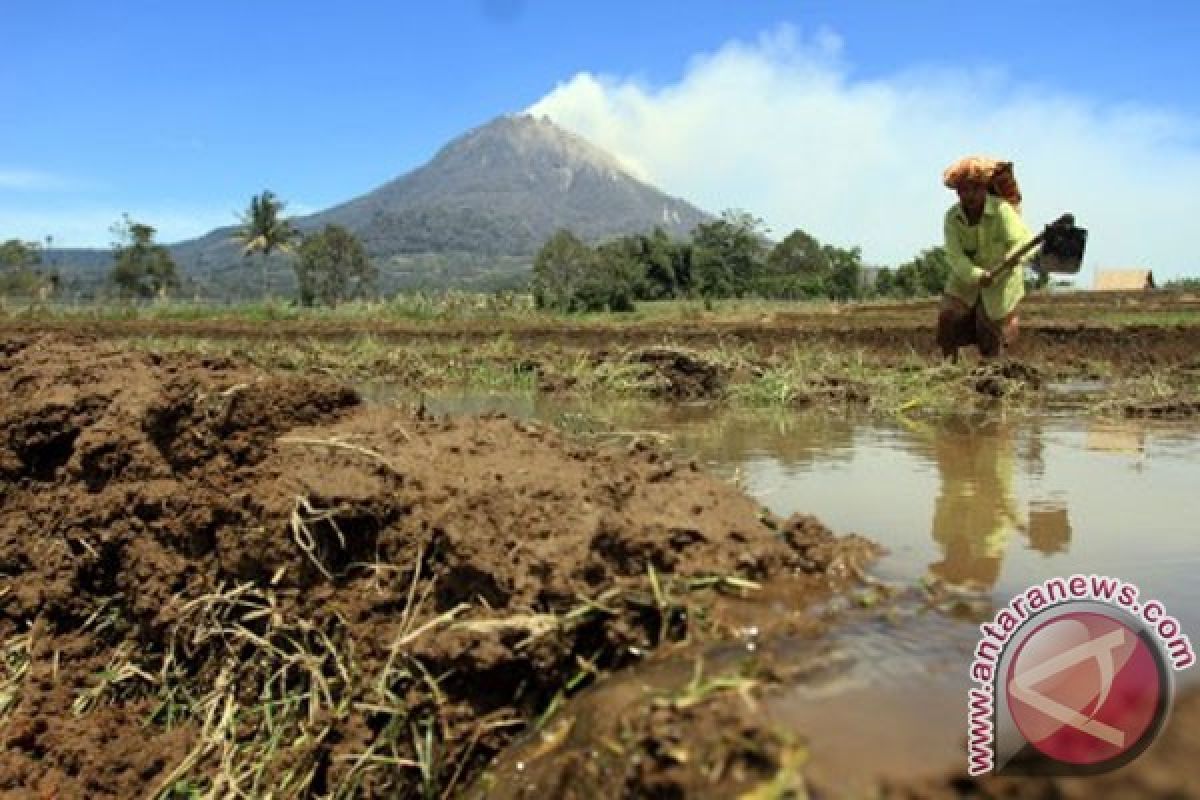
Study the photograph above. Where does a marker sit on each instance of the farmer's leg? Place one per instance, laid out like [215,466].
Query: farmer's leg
[1010,326]
[954,326]
[995,335]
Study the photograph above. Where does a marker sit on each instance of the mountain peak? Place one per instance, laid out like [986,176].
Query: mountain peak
[525,136]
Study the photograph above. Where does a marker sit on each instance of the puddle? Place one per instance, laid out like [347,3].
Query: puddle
[986,505]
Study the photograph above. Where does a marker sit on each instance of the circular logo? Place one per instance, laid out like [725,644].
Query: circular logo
[1086,689]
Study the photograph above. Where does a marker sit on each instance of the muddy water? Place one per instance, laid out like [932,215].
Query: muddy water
[980,507]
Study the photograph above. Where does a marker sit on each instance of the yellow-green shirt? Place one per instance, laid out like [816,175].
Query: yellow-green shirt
[973,249]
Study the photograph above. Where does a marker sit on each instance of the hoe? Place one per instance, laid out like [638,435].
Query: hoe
[1062,246]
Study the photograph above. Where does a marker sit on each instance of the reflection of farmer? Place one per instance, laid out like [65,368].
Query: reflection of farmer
[981,230]
[975,514]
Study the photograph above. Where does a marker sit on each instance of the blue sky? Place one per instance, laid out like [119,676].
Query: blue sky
[831,116]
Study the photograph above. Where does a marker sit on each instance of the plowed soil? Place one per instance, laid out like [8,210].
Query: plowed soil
[219,583]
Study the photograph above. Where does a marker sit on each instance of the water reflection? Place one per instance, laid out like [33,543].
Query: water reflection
[788,440]
[976,512]
[1108,437]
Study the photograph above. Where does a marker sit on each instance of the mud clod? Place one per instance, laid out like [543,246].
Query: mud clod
[831,390]
[679,373]
[217,581]
[998,379]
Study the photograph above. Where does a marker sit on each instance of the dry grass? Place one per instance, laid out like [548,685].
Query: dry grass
[265,686]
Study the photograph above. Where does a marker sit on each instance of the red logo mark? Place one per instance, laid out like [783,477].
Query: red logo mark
[1084,688]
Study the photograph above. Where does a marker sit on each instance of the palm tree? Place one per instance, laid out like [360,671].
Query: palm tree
[264,230]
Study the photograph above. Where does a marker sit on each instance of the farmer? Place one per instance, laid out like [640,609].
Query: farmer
[979,304]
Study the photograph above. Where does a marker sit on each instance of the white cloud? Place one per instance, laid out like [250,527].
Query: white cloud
[781,127]
[30,180]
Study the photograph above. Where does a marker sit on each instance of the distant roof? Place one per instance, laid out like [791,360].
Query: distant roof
[1124,279]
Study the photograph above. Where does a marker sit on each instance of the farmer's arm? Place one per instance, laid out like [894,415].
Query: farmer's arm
[961,266]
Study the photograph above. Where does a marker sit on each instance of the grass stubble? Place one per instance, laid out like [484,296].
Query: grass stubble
[264,688]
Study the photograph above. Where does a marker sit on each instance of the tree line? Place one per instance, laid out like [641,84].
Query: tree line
[727,257]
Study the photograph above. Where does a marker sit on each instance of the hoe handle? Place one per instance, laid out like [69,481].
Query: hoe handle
[1019,253]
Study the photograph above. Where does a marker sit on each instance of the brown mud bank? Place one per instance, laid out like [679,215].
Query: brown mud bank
[1049,340]
[218,583]
[874,357]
